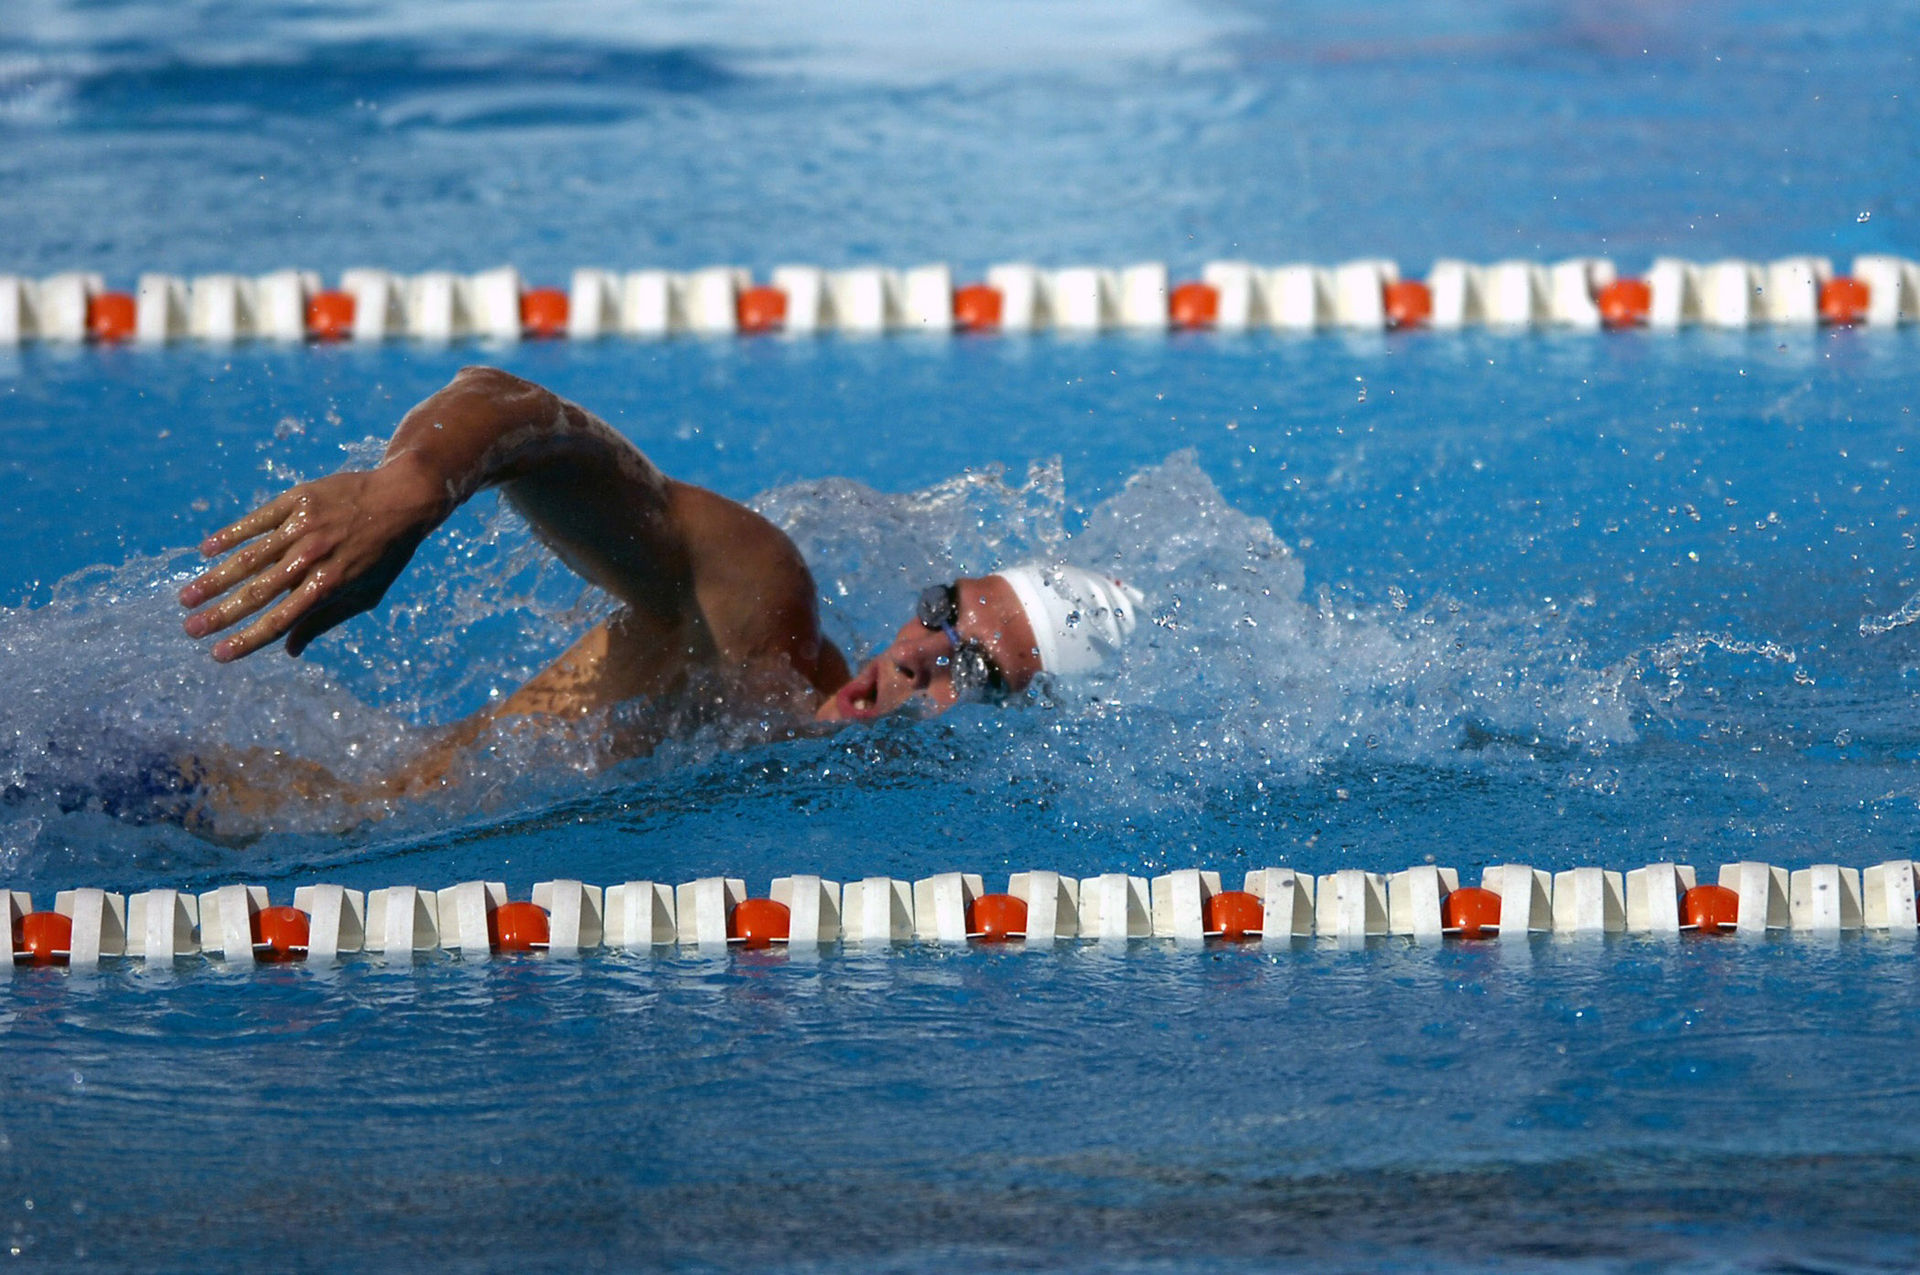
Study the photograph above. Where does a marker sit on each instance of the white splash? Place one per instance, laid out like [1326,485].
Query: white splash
[1874,626]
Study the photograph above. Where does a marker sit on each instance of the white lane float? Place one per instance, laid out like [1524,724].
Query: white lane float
[1366,294]
[566,918]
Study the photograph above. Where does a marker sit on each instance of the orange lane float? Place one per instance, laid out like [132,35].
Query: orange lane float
[543,313]
[761,310]
[518,927]
[976,307]
[996,918]
[1409,303]
[111,316]
[1194,305]
[1709,909]
[1844,301]
[330,316]
[46,938]
[759,923]
[1470,913]
[1234,915]
[281,934]
[1625,303]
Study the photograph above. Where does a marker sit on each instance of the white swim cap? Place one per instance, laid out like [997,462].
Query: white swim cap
[1078,617]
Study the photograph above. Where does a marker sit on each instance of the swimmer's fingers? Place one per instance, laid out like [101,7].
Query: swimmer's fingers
[268,516]
[300,569]
[361,592]
[269,627]
[331,613]
[259,590]
[332,547]
[238,566]
[322,594]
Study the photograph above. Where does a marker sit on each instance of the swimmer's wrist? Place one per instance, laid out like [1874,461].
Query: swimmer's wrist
[417,484]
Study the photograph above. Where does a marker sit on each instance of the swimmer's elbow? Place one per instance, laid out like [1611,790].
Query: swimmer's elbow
[483,378]
[484,372]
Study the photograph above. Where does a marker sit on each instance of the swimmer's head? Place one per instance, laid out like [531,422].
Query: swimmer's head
[991,635]
[1079,618]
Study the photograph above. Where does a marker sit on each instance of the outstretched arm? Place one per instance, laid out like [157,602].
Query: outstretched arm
[702,577]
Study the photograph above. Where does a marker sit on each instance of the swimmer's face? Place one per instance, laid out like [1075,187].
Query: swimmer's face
[918,667]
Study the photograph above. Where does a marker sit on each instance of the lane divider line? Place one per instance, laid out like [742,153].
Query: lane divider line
[438,306]
[567,918]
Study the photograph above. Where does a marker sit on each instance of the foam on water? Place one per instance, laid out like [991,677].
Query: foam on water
[1908,613]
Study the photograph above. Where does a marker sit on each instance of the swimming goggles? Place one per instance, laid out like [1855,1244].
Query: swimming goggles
[975,675]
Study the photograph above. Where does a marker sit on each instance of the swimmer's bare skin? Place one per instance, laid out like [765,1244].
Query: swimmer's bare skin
[706,585]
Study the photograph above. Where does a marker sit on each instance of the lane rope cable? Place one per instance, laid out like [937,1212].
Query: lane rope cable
[568,918]
[370,305]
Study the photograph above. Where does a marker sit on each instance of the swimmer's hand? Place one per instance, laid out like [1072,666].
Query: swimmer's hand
[331,547]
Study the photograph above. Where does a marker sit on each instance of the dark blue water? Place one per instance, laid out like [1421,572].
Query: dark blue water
[1560,599]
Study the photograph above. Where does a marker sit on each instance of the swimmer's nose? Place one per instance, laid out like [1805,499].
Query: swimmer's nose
[919,666]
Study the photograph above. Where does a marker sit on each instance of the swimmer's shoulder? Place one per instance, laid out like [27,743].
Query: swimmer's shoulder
[754,589]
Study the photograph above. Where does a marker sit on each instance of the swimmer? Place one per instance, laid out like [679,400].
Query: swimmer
[710,593]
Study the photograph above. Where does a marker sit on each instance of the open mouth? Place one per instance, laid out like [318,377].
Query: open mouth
[859,699]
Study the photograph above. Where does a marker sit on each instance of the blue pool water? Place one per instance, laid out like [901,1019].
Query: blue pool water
[1554,598]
